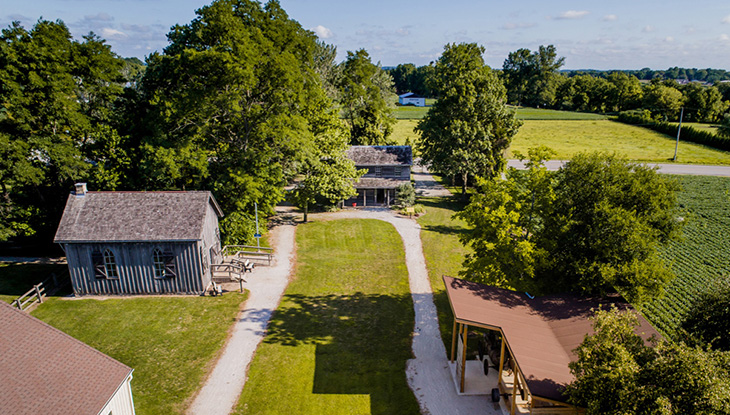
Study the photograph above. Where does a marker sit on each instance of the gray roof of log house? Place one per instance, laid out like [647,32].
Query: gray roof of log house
[381,155]
[135,216]
[379,183]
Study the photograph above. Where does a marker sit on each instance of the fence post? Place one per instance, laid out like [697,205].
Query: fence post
[17,303]
[38,293]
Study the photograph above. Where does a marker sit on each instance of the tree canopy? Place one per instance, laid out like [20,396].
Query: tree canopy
[530,77]
[57,123]
[366,96]
[592,227]
[469,128]
[618,373]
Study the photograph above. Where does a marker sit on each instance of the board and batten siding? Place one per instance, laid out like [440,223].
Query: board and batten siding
[121,402]
[211,239]
[135,267]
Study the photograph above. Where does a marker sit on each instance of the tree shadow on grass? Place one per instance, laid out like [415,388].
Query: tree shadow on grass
[363,342]
[17,278]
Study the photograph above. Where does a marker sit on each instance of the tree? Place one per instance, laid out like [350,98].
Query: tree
[703,104]
[236,104]
[664,100]
[366,97]
[530,76]
[626,92]
[708,320]
[724,129]
[469,128]
[58,111]
[591,228]
[616,372]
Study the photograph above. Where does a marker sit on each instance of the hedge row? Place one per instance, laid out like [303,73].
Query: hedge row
[688,133]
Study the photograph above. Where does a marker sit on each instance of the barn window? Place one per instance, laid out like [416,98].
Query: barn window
[97,260]
[164,264]
[110,264]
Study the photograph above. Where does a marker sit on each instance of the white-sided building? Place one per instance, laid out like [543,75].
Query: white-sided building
[409,98]
[45,371]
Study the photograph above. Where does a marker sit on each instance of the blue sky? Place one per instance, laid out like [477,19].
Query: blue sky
[616,34]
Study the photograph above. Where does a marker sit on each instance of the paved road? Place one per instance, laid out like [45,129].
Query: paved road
[666,168]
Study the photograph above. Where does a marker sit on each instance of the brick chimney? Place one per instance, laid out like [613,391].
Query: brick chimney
[80,189]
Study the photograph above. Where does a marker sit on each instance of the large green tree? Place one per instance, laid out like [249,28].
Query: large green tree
[530,77]
[469,128]
[57,123]
[592,227]
[618,373]
[236,104]
[367,96]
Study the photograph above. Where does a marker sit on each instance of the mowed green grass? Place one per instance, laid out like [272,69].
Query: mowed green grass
[340,339]
[403,132]
[408,112]
[636,143]
[443,252]
[16,279]
[170,342]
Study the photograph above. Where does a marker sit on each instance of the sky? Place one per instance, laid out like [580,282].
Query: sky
[617,34]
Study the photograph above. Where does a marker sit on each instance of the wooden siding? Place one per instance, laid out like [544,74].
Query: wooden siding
[211,239]
[136,270]
[397,171]
[121,403]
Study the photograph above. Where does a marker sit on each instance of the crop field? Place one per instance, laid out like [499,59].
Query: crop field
[570,137]
[702,256]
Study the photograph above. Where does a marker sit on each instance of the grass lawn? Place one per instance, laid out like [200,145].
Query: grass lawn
[410,112]
[443,252]
[403,131]
[17,279]
[570,137]
[340,339]
[527,113]
[170,342]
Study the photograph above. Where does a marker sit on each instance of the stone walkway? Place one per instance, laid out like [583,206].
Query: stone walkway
[220,393]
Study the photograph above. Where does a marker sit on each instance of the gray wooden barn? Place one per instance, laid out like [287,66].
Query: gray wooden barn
[140,242]
[387,167]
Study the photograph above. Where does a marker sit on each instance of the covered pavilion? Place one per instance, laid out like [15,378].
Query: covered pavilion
[536,339]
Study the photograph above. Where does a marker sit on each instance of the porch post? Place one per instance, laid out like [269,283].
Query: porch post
[453,341]
[501,363]
[463,360]
[387,197]
[364,197]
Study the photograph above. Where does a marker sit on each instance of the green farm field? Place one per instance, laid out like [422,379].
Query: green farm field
[636,143]
[408,112]
[701,256]
[340,339]
[170,342]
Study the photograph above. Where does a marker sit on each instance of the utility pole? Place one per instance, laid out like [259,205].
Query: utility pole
[679,129]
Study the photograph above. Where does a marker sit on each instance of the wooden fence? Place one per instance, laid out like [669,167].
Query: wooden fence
[41,290]
[261,255]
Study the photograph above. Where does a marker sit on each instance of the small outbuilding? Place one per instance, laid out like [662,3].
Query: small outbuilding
[530,343]
[46,371]
[387,167]
[409,98]
[140,242]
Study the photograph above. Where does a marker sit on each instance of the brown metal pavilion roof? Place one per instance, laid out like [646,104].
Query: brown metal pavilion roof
[541,333]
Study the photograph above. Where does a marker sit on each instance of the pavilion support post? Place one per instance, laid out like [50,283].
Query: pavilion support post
[513,407]
[501,363]
[463,360]
[453,340]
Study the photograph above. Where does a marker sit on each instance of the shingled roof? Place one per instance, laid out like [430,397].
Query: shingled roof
[541,332]
[135,216]
[381,155]
[46,371]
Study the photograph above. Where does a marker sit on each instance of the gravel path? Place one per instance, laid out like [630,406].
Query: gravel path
[426,185]
[428,373]
[266,285]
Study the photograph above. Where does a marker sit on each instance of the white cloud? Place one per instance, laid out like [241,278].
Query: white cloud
[648,29]
[322,32]
[669,39]
[108,32]
[513,26]
[724,37]
[572,14]
[726,19]
[610,18]
[99,17]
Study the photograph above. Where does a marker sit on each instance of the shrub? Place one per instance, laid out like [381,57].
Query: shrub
[405,195]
